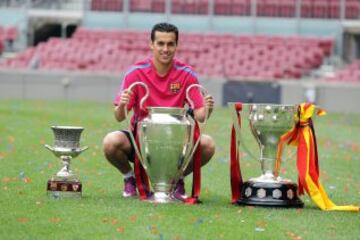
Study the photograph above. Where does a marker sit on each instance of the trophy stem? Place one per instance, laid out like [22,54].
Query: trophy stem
[268,160]
[66,162]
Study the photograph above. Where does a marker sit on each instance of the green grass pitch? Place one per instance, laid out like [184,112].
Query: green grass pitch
[25,166]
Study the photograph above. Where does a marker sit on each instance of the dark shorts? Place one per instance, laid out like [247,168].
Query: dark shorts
[131,156]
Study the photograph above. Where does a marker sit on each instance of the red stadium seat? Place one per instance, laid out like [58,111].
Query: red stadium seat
[352,9]
[334,9]
[158,6]
[320,9]
[241,7]
[223,7]
[140,6]
[307,8]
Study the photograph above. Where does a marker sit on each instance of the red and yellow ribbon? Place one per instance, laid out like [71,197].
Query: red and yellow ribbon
[303,136]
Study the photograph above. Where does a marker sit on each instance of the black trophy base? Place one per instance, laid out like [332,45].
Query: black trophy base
[270,194]
[64,189]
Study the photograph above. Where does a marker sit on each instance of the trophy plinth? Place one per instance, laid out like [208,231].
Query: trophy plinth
[65,183]
[270,194]
[267,124]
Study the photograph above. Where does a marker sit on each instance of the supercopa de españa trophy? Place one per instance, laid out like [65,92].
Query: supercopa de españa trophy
[65,183]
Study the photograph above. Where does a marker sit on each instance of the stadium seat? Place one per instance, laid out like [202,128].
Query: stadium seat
[307,8]
[158,6]
[223,7]
[140,6]
[320,9]
[241,7]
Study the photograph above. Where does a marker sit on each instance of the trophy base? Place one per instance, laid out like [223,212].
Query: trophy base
[64,189]
[161,197]
[266,194]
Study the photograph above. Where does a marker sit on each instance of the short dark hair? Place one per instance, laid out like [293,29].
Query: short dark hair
[165,27]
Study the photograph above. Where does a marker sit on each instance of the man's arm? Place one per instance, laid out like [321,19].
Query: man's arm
[119,111]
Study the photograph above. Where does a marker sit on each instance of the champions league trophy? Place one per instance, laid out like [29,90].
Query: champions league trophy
[267,123]
[66,146]
[166,146]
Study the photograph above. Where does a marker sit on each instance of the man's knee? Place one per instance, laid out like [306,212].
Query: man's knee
[115,141]
[208,147]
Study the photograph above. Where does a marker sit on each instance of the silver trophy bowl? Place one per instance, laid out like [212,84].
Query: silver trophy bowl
[267,123]
[66,147]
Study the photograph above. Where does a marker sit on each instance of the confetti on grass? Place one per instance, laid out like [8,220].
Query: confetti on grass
[293,236]
[55,220]
[259,229]
[260,226]
[133,218]
[23,220]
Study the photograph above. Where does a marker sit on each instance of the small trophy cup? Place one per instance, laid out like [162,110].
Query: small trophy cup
[267,123]
[66,146]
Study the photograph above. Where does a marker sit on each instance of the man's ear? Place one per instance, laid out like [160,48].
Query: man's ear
[151,45]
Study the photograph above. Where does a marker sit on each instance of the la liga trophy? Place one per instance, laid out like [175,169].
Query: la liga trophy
[65,183]
[267,123]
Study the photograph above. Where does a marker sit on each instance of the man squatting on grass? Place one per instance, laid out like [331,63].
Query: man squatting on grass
[167,79]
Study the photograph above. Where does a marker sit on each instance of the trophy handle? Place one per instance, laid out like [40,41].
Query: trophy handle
[204,92]
[132,138]
[202,129]
[83,148]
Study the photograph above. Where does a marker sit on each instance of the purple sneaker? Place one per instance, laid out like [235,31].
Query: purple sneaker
[129,187]
[179,192]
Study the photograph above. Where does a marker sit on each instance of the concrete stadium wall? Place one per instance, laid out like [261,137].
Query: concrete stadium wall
[334,97]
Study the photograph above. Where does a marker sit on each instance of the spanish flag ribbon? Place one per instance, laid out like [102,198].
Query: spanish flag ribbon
[303,136]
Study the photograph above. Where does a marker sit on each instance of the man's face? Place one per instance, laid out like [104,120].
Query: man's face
[164,47]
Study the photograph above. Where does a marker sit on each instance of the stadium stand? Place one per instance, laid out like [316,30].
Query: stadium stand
[264,8]
[348,74]
[213,55]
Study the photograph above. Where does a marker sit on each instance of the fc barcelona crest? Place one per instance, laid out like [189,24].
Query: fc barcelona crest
[175,87]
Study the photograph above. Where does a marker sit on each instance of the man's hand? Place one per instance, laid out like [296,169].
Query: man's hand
[200,113]
[209,102]
[125,97]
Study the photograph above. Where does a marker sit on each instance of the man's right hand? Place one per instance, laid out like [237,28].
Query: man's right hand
[125,97]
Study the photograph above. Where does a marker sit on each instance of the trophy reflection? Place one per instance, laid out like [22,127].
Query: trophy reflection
[65,183]
[267,123]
